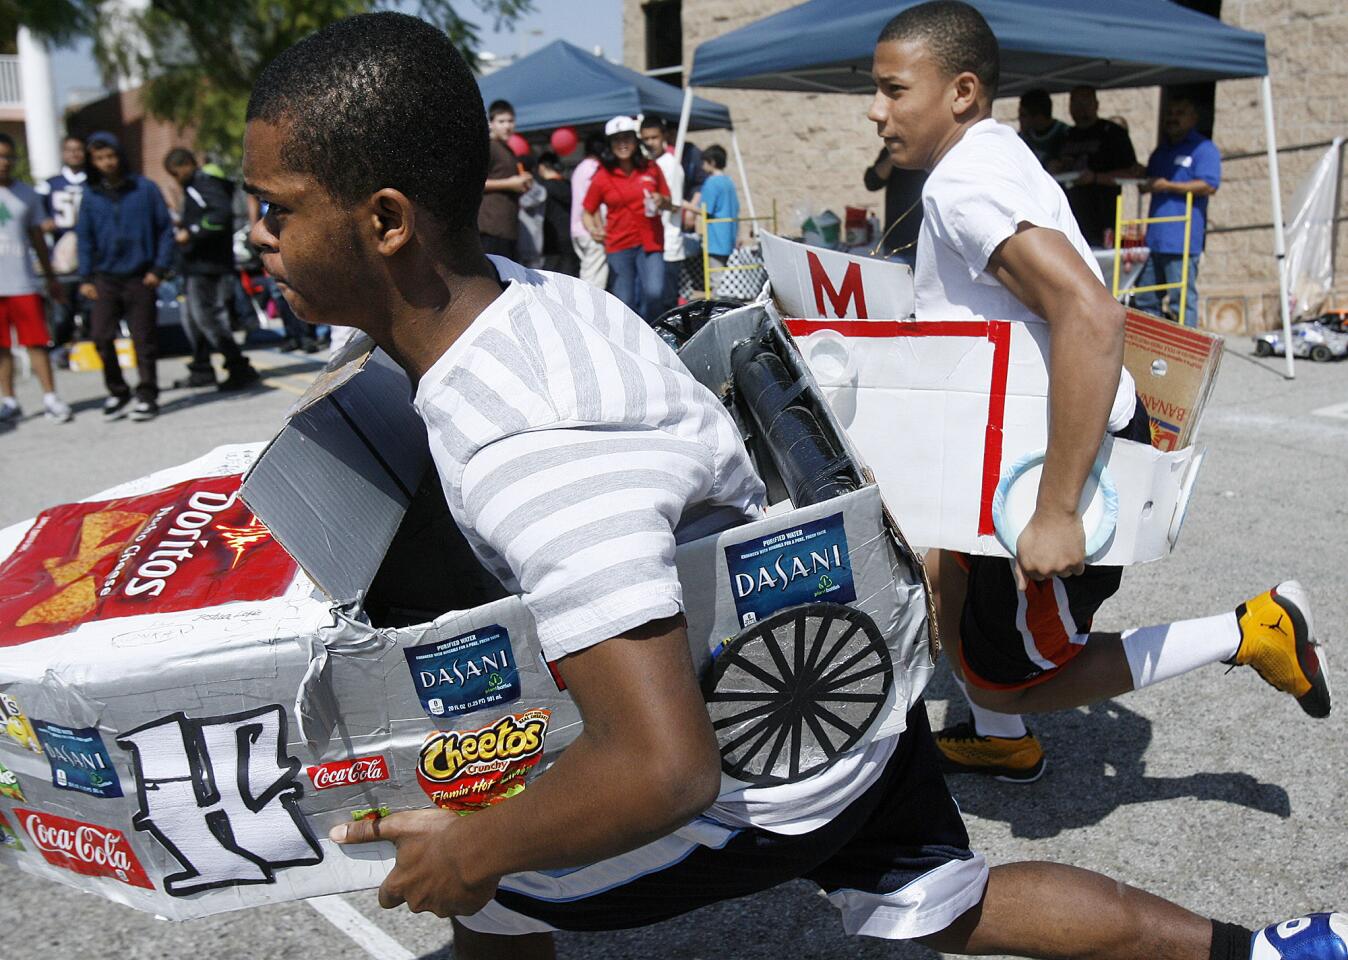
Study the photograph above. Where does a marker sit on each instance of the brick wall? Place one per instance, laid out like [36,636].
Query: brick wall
[812,148]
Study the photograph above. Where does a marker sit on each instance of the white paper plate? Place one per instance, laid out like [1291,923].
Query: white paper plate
[1017,494]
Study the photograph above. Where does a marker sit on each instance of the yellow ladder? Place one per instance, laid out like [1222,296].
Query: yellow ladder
[1187,220]
[707,268]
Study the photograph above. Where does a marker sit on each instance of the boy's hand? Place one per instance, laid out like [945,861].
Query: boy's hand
[1051,545]
[88,291]
[428,876]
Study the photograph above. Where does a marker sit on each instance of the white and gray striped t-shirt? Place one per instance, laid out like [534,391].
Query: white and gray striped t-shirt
[572,444]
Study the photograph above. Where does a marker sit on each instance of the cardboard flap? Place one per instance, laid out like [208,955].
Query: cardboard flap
[335,482]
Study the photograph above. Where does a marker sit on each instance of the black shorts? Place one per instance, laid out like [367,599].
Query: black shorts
[896,863]
[1010,640]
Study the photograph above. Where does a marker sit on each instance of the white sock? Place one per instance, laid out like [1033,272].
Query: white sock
[1165,651]
[49,397]
[8,402]
[989,723]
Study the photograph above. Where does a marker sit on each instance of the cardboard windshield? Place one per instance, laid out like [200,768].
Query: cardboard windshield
[815,282]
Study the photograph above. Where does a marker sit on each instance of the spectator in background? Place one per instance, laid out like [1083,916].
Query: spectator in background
[1041,133]
[61,199]
[125,250]
[498,219]
[721,203]
[21,216]
[589,251]
[205,238]
[558,254]
[1100,151]
[529,242]
[657,148]
[903,205]
[634,191]
[1187,163]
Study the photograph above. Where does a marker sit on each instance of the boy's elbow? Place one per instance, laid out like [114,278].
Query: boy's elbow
[692,781]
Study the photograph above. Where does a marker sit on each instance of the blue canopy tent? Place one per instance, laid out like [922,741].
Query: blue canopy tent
[825,46]
[563,84]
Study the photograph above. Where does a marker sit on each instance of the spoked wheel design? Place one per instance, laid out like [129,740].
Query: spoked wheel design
[789,695]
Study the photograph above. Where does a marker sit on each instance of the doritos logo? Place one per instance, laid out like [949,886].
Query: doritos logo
[188,546]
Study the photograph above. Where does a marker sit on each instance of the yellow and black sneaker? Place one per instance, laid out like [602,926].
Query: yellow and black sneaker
[1277,638]
[1013,759]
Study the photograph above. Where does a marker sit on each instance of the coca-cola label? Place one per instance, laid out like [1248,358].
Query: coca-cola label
[78,759]
[83,848]
[9,784]
[348,773]
[9,840]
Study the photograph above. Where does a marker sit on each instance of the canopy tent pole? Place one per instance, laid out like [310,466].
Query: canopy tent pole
[1279,238]
[684,114]
[748,194]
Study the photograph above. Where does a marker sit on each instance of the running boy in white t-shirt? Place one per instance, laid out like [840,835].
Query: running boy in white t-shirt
[998,241]
[572,445]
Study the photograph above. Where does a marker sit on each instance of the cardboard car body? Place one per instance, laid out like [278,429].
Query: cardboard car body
[969,397]
[229,669]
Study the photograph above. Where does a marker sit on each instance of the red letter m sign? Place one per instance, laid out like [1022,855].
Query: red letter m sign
[840,300]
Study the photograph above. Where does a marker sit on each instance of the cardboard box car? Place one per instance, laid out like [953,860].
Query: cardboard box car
[200,678]
[967,402]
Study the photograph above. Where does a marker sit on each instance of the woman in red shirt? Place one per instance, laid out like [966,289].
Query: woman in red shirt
[634,191]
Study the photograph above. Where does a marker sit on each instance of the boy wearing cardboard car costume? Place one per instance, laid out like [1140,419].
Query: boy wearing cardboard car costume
[571,443]
[999,241]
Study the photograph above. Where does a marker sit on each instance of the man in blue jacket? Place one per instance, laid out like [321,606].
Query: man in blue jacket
[125,250]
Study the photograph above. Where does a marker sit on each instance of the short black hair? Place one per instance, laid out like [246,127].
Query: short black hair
[550,160]
[8,141]
[957,36]
[1036,103]
[715,155]
[649,122]
[179,157]
[500,106]
[358,95]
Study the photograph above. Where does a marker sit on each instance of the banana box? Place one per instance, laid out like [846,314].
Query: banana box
[203,671]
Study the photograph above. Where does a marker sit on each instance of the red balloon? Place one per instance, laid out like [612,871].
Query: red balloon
[564,140]
[518,145]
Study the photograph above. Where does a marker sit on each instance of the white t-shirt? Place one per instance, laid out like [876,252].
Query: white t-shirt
[572,443]
[673,219]
[980,192]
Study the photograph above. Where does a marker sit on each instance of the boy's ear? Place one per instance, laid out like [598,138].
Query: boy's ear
[393,217]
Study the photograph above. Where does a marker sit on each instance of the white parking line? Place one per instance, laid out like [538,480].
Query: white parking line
[361,931]
[1338,410]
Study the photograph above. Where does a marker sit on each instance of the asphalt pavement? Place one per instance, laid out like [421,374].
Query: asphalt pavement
[1212,790]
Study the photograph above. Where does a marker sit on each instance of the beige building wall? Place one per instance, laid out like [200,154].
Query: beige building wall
[811,149]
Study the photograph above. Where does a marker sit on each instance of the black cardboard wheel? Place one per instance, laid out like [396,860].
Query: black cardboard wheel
[791,694]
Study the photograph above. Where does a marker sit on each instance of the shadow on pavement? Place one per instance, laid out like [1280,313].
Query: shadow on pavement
[1095,765]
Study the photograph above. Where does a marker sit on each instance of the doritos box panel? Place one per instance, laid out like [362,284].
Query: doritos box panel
[203,671]
[969,398]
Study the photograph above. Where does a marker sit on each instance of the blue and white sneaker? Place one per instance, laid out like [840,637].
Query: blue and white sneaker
[1319,936]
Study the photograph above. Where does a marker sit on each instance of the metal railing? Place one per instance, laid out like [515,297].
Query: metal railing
[11,90]
[1119,224]
[707,268]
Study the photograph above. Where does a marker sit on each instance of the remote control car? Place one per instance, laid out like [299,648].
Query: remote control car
[1319,339]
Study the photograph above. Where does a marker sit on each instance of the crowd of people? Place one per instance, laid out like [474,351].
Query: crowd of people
[105,241]
[1091,158]
[630,207]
